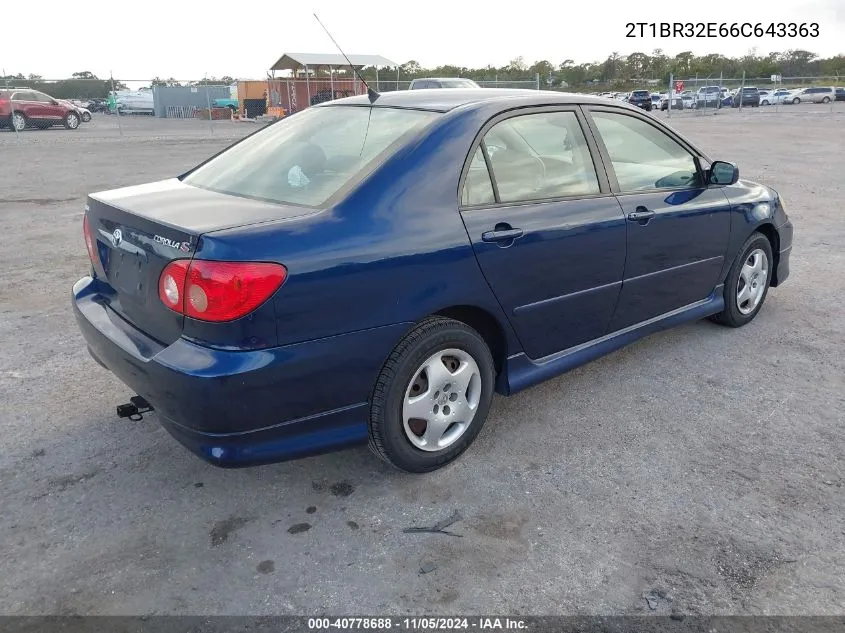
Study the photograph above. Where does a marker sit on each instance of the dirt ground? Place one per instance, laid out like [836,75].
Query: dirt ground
[699,470]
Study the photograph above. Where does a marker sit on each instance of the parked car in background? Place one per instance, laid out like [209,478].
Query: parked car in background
[20,109]
[709,97]
[676,101]
[688,97]
[286,297]
[655,100]
[97,105]
[641,99]
[747,96]
[442,82]
[812,95]
[134,102]
[840,94]
[774,97]
[84,112]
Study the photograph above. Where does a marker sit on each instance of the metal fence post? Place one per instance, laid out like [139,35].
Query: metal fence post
[12,106]
[116,109]
[308,85]
[671,95]
[741,86]
[537,80]
[208,103]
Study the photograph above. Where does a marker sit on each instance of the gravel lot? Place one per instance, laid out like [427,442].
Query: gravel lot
[700,470]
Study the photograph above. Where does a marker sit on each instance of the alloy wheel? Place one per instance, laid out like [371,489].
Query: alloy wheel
[441,400]
[751,285]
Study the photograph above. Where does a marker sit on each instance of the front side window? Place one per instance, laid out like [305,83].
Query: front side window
[644,157]
[540,156]
[308,157]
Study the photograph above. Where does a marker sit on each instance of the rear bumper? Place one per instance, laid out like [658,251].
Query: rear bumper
[239,408]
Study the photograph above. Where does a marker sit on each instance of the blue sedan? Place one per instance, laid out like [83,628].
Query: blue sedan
[372,269]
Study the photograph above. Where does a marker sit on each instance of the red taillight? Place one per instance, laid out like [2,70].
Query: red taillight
[90,240]
[218,291]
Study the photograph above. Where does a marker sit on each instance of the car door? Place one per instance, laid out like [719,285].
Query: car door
[547,233]
[50,108]
[678,228]
[27,102]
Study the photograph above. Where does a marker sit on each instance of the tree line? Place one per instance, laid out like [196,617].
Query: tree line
[617,71]
[636,67]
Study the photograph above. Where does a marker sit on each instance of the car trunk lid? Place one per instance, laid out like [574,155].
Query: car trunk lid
[138,230]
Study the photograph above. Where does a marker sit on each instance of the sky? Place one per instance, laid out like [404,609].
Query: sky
[189,40]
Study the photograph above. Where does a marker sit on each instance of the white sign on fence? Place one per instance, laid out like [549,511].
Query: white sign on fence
[776,79]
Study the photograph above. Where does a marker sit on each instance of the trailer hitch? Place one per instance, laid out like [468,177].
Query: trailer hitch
[134,409]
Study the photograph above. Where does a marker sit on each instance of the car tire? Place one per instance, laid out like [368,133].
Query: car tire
[86,117]
[796,101]
[826,100]
[429,361]
[71,120]
[747,283]
[18,121]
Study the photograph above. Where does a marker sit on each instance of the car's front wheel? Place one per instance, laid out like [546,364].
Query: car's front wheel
[86,117]
[747,283]
[796,101]
[826,100]
[71,120]
[432,396]
[764,102]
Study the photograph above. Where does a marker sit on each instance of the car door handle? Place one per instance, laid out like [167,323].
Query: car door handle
[501,235]
[641,215]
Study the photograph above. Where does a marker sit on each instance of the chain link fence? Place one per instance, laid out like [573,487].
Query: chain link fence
[41,103]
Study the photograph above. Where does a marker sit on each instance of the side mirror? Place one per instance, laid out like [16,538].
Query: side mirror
[723,173]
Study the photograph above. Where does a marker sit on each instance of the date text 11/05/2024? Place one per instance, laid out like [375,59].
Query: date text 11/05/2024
[721,29]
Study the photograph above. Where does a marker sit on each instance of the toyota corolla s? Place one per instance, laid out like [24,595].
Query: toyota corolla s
[372,269]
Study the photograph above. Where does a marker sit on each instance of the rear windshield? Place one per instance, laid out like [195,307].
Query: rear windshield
[308,157]
[640,93]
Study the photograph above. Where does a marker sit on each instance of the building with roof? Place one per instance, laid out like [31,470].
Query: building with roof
[317,77]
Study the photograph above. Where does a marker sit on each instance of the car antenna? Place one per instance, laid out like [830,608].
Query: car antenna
[372,94]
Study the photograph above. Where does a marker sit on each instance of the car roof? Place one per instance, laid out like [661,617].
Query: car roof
[441,79]
[445,100]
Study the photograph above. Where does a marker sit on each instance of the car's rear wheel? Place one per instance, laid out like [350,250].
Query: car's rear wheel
[432,396]
[764,102]
[86,117]
[71,120]
[747,283]
[826,100]
[796,101]
[18,121]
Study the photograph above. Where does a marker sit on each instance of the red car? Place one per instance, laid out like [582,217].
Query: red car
[22,107]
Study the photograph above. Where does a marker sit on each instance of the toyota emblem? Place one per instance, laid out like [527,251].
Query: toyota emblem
[116,237]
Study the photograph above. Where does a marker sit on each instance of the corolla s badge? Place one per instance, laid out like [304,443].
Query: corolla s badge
[116,237]
[166,241]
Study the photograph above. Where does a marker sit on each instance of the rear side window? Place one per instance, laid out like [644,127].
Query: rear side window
[540,156]
[308,157]
[478,189]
